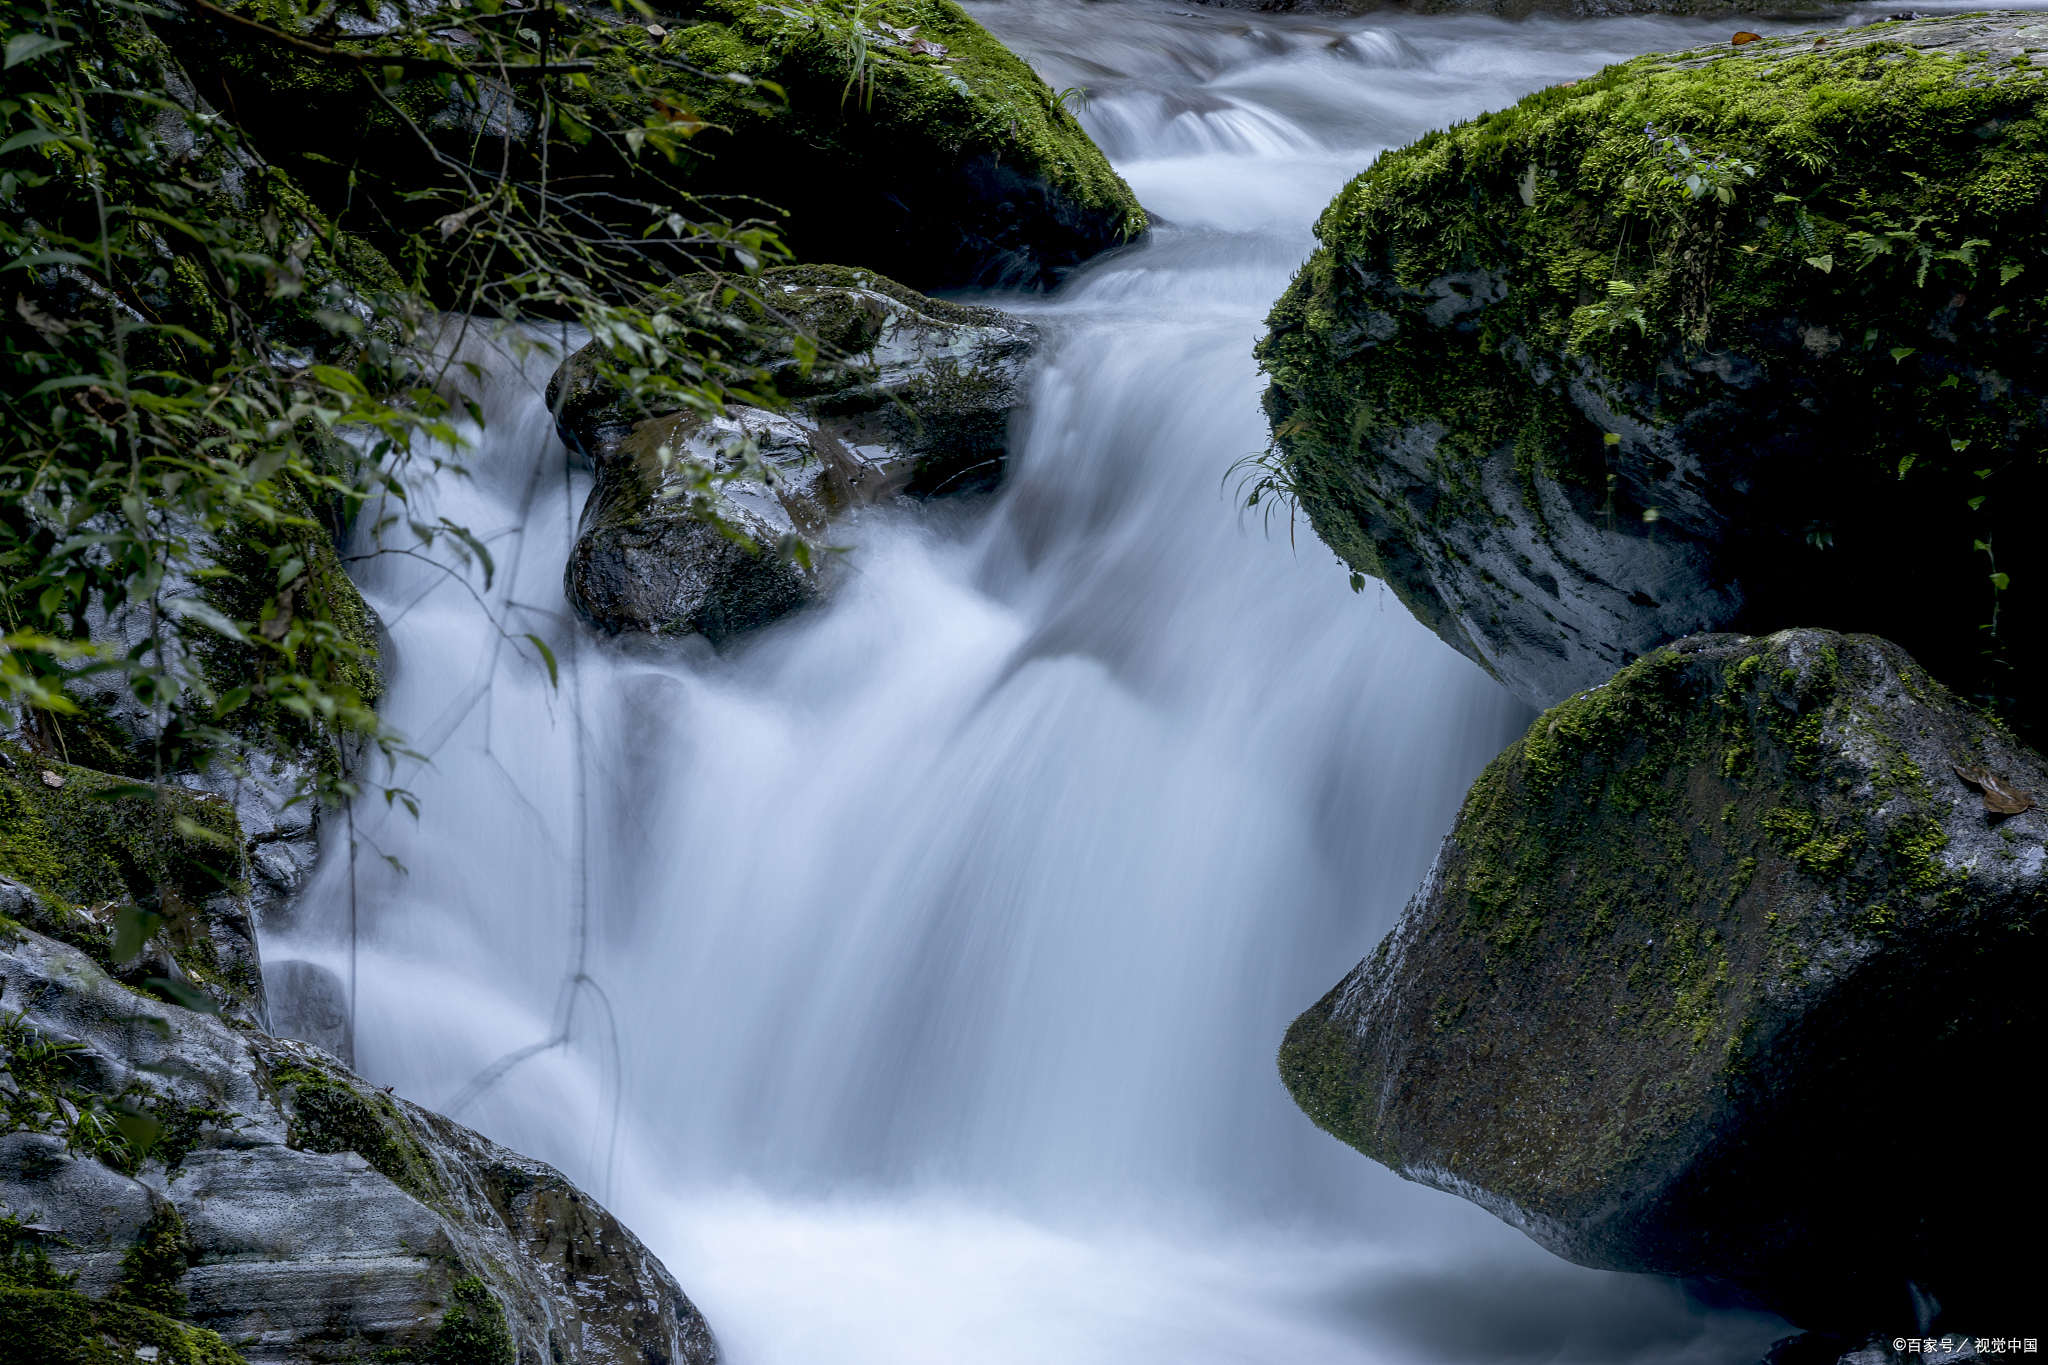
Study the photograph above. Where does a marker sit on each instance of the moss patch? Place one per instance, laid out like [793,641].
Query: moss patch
[328,1114]
[44,1321]
[473,1329]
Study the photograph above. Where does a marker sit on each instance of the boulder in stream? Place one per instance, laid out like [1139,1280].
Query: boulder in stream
[184,1169]
[1729,338]
[913,399]
[1729,969]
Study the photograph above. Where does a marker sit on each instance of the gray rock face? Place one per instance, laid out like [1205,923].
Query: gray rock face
[1693,965]
[323,1219]
[913,399]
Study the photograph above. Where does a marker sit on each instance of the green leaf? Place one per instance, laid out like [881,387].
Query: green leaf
[188,828]
[476,547]
[1901,352]
[2009,272]
[1976,502]
[178,993]
[1905,464]
[2001,581]
[1612,438]
[1824,264]
[548,657]
[35,137]
[26,47]
[139,1128]
[122,791]
[133,927]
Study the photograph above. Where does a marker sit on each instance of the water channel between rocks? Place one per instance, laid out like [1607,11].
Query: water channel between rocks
[915,968]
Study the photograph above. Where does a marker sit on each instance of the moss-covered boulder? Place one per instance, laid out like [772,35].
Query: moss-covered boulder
[1732,338]
[1713,977]
[958,165]
[169,1166]
[80,851]
[896,394]
[897,134]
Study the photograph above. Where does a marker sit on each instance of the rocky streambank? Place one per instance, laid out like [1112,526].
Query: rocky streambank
[1612,388]
[185,1190]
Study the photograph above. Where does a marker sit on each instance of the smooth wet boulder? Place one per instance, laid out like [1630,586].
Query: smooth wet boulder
[912,398]
[935,156]
[256,1187]
[1728,969]
[1727,339]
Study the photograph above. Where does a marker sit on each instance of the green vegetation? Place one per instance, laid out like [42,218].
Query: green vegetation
[1859,223]
[331,1115]
[473,1329]
[44,1321]
[211,375]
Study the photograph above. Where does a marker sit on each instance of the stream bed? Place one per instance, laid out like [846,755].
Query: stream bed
[909,974]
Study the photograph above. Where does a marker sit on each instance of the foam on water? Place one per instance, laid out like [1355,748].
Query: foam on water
[915,967]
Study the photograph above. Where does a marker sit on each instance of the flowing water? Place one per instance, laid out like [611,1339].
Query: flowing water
[909,976]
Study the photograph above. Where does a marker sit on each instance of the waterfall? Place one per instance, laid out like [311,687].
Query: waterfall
[909,974]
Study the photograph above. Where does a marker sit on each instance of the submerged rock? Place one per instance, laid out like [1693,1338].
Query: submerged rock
[1725,971]
[285,1203]
[914,399]
[1723,339]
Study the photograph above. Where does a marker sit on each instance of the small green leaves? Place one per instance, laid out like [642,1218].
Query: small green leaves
[1612,438]
[1906,463]
[1899,353]
[1824,264]
[2001,581]
[1976,502]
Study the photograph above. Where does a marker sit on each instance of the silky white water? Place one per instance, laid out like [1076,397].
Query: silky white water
[914,968]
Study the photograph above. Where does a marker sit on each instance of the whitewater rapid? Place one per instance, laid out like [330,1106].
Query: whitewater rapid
[909,974]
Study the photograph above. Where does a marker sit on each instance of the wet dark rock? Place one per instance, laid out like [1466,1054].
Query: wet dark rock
[1721,974]
[317,1218]
[1570,410]
[913,399]
[308,1002]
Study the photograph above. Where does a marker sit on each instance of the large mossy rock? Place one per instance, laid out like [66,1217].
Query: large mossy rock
[257,1188]
[951,164]
[1722,973]
[1728,339]
[962,168]
[911,398]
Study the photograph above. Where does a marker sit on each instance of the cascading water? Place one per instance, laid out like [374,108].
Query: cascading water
[909,975]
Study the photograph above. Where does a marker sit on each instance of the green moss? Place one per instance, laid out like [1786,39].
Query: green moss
[328,1114]
[151,1269]
[473,1329]
[1879,253]
[95,841]
[981,94]
[1319,1071]
[44,1321]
